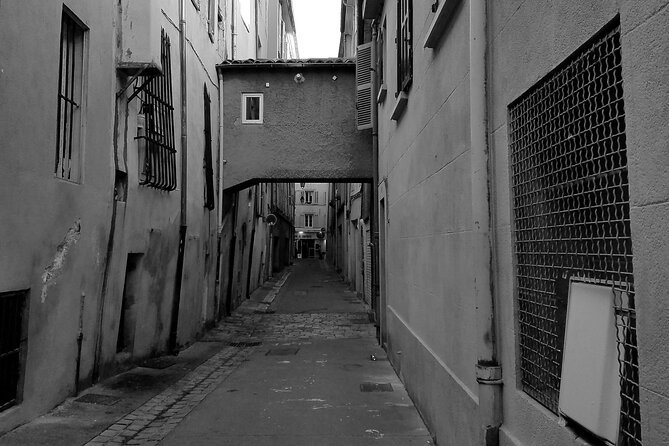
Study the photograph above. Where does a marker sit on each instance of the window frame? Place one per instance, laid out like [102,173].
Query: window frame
[308,220]
[404,45]
[70,130]
[261,108]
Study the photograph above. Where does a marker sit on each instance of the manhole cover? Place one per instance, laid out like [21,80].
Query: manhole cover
[376,387]
[94,398]
[158,363]
[244,344]
[282,351]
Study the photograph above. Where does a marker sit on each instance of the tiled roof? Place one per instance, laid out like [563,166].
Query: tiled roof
[288,62]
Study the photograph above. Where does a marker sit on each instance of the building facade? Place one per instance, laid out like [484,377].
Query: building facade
[311,217]
[113,213]
[521,153]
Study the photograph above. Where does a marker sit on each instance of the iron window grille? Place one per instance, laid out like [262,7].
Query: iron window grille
[70,96]
[209,194]
[158,163]
[12,346]
[572,216]
[404,44]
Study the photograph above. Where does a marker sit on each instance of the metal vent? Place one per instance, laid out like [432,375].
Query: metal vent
[571,215]
[376,387]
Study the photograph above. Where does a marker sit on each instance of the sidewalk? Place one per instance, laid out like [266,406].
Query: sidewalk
[313,375]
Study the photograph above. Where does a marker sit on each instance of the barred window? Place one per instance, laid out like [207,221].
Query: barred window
[70,95]
[404,44]
[158,162]
[13,330]
[572,216]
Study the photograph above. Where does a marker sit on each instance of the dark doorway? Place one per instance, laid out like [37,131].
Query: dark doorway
[126,328]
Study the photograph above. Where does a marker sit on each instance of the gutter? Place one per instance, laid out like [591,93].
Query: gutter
[488,370]
[183,220]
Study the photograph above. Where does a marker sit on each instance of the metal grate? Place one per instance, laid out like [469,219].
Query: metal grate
[12,305]
[571,214]
[158,162]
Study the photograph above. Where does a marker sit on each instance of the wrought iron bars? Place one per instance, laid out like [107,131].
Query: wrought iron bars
[70,72]
[571,214]
[159,160]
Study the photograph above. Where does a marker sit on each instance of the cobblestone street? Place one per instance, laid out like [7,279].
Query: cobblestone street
[307,310]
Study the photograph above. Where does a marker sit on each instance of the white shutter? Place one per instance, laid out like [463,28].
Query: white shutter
[316,197]
[363,82]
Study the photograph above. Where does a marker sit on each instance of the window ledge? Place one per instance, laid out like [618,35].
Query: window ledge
[383,91]
[439,22]
[400,106]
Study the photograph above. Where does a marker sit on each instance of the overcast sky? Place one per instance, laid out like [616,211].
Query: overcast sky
[317,25]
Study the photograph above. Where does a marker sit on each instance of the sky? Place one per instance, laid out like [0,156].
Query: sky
[317,25]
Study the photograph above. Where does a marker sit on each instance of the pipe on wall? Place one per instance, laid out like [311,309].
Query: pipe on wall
[488,371]
[183,216]
[379,301]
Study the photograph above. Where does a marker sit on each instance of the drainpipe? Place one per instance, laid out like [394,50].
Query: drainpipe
[184,177]
[219,216]
[233,28]
[488,370]
[255,25]
[377,299]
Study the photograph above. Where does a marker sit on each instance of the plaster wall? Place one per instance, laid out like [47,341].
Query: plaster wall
[527,42]
[308,131]
[52,232]
[425,163]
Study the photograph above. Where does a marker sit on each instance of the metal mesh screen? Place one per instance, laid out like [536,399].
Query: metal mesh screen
[571,215]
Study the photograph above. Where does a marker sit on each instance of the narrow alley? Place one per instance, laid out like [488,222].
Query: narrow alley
[297,364]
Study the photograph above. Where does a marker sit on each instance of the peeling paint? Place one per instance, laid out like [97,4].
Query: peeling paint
[52,271]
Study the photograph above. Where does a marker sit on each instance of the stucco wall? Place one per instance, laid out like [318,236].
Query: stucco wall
[52,232]
[308,132]
[424,157]
[557,29]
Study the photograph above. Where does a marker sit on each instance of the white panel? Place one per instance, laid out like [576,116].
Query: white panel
[590,383]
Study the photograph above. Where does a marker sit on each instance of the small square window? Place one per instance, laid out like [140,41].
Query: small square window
[252,108]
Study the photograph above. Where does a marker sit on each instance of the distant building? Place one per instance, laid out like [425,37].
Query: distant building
[311,217]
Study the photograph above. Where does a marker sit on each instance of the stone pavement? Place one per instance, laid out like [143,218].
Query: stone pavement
[292,378]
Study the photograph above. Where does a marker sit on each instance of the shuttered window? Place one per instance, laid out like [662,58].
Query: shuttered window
[363,81]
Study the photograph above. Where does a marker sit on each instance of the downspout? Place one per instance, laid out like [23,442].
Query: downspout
[377,300]
[255,25]
[184,177]
[233,29]
[219,217]
[488,370]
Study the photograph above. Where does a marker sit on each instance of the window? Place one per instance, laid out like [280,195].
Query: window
[70,97]
[571,214]
[308,220]
[158,160]
[209,194]
[245,12]
[252,108]
[404,45]
[309,197]
[13,332]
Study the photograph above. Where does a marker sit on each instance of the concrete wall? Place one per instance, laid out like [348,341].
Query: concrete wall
[308,131]
[53,233]
[424,160]
[57,234]
[425,174]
